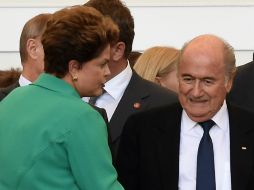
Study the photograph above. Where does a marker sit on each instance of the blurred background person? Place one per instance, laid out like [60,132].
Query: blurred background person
[133,56]
[31,53]
[242,93]
[158,64]
[56,140]
[8,77]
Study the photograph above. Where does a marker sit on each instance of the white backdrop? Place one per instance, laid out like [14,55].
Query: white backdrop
[156,23]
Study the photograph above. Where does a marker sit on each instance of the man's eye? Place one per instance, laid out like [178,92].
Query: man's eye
[208,81]
[104,64]
[187,79]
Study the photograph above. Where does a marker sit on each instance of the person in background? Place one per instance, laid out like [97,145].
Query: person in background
[203,143]
[242,93]
[133,56]
[31,53]
[8,77]
[125,92]
[158,64]
[55,140]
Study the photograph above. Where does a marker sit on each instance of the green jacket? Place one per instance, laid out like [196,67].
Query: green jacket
[51,140]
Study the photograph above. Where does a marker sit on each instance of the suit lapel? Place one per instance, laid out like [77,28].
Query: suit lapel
[168,148]
[241,148]
[133,94]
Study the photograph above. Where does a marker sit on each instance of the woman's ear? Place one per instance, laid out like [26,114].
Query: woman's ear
[73,67]
[157,80]
[117,51]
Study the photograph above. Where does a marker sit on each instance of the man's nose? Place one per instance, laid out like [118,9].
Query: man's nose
[107,71]
[197,89]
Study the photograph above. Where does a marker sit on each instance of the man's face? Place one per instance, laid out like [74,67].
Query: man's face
[117,63]
[202,83]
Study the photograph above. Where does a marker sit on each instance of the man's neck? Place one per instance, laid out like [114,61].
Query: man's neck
[29,74]
[116,68]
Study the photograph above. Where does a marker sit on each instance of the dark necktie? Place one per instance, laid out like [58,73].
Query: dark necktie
[205,160]
[93,100]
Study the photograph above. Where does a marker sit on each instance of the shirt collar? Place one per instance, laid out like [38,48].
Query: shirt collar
[23,81]
[187,122]
[117,85]
[55,84]
[220,118]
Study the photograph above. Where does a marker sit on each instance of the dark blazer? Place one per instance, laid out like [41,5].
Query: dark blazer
[5,91]
[148,156]
[242,93]
[105,117]
[144,95]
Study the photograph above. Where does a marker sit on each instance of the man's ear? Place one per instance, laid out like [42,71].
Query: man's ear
[229,84]
[31,48]
[230,81]
[117,51]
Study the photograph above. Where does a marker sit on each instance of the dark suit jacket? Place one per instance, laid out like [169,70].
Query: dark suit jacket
[148,156]
[242,93]
[105,117]
[146,94]
[5,91]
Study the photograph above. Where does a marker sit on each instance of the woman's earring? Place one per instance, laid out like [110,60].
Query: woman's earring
[75,78]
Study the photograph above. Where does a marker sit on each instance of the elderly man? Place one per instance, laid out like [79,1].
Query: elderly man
[203,143]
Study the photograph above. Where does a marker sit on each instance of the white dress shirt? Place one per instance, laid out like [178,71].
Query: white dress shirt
[23,81]
[191,134]
[115,88]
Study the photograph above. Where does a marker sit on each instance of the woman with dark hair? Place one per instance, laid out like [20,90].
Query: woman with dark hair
[8,77]
[55,140]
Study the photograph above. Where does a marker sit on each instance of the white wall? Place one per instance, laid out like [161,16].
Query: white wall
[156,23]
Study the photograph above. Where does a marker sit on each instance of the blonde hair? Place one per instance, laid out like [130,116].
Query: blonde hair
[157,61]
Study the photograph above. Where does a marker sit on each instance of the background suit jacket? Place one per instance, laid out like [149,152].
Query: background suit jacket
[148,156]
[146,94]
[242,92]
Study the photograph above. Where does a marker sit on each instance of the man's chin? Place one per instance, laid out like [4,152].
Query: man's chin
[198,116]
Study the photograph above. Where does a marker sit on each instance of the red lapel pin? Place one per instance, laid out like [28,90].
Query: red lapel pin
[137,105]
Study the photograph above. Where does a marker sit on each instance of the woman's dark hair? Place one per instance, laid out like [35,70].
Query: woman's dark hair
[76,33]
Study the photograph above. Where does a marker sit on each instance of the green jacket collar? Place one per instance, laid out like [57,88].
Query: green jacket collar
[55,84]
